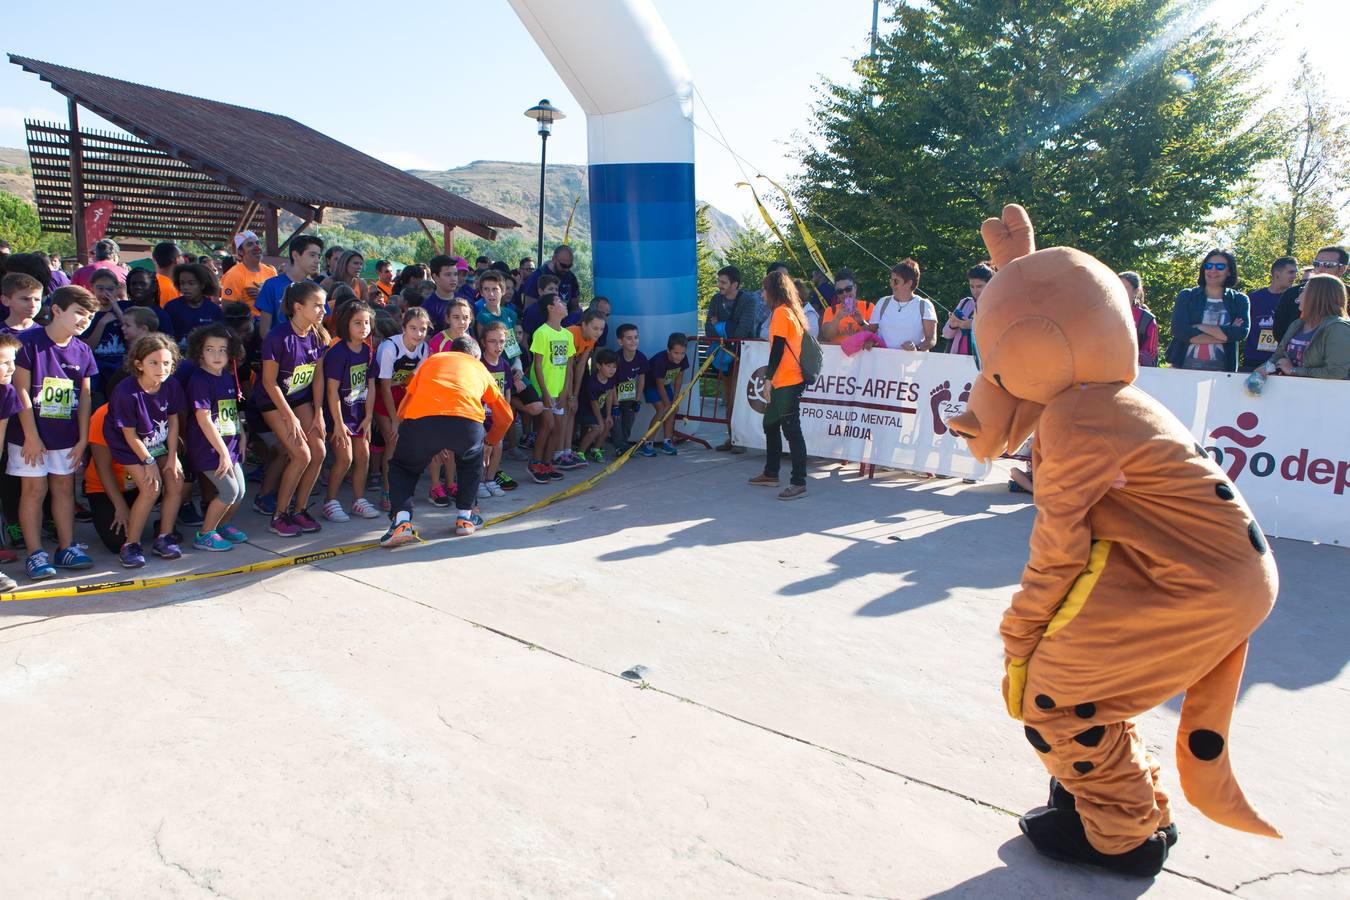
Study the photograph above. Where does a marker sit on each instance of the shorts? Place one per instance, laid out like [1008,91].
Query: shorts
[230,489]
[586,417]
[651,396]
[54,462]
[527,396]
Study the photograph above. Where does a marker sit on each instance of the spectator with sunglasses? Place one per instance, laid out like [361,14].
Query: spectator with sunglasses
[559,266]
[1210,321]
[1328,261]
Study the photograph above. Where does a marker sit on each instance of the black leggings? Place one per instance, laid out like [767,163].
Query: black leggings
[789,425]
[104,513]
[421,439]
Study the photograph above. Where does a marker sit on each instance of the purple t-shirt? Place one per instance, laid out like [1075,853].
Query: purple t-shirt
[501,373]
[351,370]
[665,371]
[131,407]
[1298,345]
[436,309]
[220,395]
[10,404]
[183,318]
[297,357]
[58,375]
[593,387]
[627,376]
[17,332]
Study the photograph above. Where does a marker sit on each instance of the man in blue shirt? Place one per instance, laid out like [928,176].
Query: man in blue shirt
[560,265]
[1262,339]
[306,252]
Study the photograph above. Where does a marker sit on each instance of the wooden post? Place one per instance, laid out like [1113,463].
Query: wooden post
[77,185]
[449,231]
[270,226]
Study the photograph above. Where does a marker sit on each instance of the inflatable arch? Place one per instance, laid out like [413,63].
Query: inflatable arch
[624,70]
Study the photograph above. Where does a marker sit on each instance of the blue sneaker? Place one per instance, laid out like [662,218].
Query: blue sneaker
[232,534]
[668,448]
[467,525]
[211,541]
[647,450]
[131,555]
[40,566]
[73,558]
[265,504]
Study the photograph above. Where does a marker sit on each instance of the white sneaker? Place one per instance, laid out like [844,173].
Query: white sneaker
[332,511]
[484,492]
[365,509]
[495,489]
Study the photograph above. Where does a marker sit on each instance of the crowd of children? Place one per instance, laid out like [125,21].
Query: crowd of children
[151,406]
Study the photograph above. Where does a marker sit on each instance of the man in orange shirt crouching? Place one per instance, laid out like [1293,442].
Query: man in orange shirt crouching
[444,409]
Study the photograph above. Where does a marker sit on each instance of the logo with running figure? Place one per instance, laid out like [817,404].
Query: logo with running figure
[755,390]
[944,407]
[1244,451]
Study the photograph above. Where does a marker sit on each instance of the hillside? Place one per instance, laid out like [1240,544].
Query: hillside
[508,187]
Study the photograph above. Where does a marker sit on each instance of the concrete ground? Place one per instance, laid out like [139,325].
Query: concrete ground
[819,712]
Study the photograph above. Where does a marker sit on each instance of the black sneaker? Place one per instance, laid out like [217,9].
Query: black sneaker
[188,514]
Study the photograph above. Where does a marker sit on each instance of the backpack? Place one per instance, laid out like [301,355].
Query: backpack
[812,359]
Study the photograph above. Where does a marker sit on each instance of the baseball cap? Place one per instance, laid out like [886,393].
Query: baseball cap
[244,237]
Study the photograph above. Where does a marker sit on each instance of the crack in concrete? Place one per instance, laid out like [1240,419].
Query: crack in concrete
[446,722]
[829,892]
[1242,884]
[18,656]
[203,883]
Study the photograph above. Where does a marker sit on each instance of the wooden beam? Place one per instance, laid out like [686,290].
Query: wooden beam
[431,237]
[270,226]
[449,232]
[250,210]
[293,235]
[77,184]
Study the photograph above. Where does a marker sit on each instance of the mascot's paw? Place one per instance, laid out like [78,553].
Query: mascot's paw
[1061,799]
[1058,834]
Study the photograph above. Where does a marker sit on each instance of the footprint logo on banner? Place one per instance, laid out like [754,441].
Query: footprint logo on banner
[942,407]
[755,390]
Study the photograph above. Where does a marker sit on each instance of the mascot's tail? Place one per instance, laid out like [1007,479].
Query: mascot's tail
[1202,751]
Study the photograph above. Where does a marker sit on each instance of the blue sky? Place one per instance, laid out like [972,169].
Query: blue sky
[422,88]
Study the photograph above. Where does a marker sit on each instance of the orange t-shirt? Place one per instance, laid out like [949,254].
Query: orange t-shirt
[456,384]
[847,325]
[167,291]
[789,371]
[92,483]
[582,345]
[235,283]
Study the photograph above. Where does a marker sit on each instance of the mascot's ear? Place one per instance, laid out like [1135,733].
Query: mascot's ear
[1010,237]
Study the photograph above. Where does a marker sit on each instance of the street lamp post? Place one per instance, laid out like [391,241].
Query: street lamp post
[545,114]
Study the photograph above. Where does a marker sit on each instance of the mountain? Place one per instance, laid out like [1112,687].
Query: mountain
[510,188]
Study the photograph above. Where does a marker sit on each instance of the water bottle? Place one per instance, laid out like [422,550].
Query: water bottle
[1256,382]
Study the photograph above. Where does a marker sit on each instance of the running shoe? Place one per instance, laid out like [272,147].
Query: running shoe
[596,455]
[73,557]
[527,442]
[8,556]
[539,473]
[375,479]
[439,496]
[265,505]
[39,566]
[82,513]
[188,514]
[505,482]
[7,584]
[283,526]
[305,522]
[667,447]
[232,534]
[333,511]
[211,541]
[166,547]
[467,525]
[132,556]
[647,450]
[398,533]
[495,489]
[554,474]
[365,509]
[571,460]
[483,492]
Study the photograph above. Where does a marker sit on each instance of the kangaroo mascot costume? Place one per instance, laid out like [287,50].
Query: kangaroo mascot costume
[1148,572]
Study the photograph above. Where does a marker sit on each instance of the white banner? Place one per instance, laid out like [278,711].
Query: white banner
[1288,450]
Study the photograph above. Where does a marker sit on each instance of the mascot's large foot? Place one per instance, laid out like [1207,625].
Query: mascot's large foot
[1060,798]
[1058,834]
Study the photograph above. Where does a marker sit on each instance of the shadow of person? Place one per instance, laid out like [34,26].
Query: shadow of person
[1025,873]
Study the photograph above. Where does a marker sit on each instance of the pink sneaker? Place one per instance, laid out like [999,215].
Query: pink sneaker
[283,526]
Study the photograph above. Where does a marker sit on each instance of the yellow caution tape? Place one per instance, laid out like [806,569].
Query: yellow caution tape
[811,246]
[778,234]
[301,559]
[568,230]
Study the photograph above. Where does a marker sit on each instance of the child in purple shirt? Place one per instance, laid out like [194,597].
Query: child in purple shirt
[665,376]
[215,433]
[52,376]
[193,307]
[10,404]
[632,378]
[596,407]
[141,430]
[346,374]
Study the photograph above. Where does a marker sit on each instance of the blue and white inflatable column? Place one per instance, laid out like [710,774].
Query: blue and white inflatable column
[622,67]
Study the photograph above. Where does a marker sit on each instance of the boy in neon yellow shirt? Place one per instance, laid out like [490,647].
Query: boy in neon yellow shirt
[552,346]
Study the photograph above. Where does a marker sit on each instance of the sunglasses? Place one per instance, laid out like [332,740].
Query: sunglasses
[845,290]
[1326,264]
[1218,267]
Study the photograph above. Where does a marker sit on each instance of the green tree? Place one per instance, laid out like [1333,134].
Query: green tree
[18,223]
[1261,232]
[708,262]
[751,251]
[1115,122]
[1314,164]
